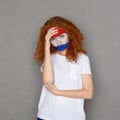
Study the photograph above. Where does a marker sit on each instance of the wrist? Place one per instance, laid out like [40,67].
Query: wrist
[47,49]
[47,45]
[59,93]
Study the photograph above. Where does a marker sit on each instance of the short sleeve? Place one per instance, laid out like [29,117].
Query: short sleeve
[41,67]
[85,63]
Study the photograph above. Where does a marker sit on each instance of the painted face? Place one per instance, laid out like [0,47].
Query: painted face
[60,40]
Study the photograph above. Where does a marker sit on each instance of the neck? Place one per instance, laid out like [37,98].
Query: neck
[62,52]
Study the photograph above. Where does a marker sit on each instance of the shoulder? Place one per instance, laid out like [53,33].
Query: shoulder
[82,57]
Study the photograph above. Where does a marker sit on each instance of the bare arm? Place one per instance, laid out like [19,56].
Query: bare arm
[47,74]
[86,92]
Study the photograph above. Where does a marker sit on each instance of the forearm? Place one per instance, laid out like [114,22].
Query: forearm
[78,93]
[47,74]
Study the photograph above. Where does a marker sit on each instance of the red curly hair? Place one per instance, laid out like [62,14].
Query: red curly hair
[75,44]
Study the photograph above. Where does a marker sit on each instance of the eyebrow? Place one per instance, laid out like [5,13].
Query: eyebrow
[52,38]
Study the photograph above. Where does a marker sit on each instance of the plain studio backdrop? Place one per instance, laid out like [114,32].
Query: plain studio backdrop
[20,77]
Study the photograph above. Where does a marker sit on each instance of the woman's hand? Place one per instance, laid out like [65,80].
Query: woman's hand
[48,35]
[52,88]
[47,74]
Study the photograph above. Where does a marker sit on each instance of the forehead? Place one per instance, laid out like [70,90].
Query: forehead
[59,32]
[65,36]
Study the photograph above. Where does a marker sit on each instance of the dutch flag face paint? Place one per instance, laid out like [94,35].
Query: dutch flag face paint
[60,40]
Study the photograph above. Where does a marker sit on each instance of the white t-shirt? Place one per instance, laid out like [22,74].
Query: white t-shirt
[67,76]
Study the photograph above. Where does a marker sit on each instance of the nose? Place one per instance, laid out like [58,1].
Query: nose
[58,41]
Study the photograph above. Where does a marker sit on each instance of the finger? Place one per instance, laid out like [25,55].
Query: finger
[52,32]
[51,29]
[46,85]
[50,85]
[48,36]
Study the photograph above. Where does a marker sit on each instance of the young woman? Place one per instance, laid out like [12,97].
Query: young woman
[66,72]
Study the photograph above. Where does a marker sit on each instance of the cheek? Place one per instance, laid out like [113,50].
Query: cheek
[54,43]
[65,40]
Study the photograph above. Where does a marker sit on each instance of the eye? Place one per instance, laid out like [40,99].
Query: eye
[51,39]
[62,35]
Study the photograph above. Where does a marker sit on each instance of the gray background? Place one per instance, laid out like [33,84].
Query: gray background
[20,78]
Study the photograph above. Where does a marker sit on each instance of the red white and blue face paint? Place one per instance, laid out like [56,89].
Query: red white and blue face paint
[60,40]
